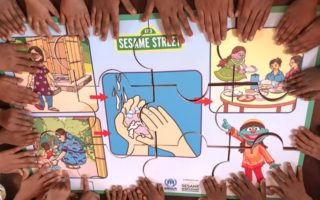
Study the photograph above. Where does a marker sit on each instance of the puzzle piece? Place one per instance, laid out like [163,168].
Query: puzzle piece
[71,143]
[66,71]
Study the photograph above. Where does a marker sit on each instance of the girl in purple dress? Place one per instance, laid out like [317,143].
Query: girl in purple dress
[41,84]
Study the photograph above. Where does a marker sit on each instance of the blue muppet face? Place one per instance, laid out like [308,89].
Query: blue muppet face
[251,133]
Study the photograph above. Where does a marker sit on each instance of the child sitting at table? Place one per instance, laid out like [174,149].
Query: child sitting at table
[276,75]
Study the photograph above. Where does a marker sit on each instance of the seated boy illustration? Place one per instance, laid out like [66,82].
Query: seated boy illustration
[72,151]
[256,156]
[276,76]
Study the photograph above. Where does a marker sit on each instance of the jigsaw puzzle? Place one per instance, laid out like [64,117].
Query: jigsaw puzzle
[141,106]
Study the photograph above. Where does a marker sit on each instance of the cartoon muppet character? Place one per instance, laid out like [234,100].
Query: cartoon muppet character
[254,157]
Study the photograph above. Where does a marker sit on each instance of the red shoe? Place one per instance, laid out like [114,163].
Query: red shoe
[39,107]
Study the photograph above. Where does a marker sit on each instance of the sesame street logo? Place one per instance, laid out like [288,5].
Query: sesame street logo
[147,40]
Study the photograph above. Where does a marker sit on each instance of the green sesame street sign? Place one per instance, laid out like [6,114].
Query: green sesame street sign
[148,40]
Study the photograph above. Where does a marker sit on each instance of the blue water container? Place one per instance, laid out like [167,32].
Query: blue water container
[254,78]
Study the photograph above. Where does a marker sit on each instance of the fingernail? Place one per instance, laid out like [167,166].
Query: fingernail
[251,38]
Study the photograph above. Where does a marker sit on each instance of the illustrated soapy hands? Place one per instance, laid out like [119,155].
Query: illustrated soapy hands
[154,121]
[128,124]
[226,125]
[161,123]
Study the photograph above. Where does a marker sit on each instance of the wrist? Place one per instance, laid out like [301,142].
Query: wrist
[21,196]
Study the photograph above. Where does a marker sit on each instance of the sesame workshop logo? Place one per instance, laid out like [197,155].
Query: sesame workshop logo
[147,40]
[170,184]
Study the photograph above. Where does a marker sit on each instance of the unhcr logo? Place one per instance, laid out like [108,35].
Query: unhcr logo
[170,184]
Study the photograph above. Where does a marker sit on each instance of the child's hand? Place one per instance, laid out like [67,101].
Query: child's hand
[245,190]
[18,138]
[16,120]
[75,15]
[149,190]
[307,142]
[135,194]
[12,17]
[292,24]
[60,190]
[13,159]
[116,193]
[212,18]
[16,94]
[306,84]
[37,184]
[172,13]
[13,59]
[214,190]
[39,16]
[290,185]
[87,194]
[307,40]
[105,13]
[252,15]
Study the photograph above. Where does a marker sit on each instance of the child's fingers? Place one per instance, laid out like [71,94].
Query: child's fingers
[201,21]
[98,20]
[53,25]
[263,188]
[239,9]
[44,28]
[208,27]
[15,20]
[36,27]
[79,28]
[6,15]
[107,194]
[113,192]
[88,19]
[231,8]
[216,29]
[300,174]
[71,26]
[255,27]
[11,80]
[290,171]
[148,10]
[223,25]
[264,18]
[50,178]
[184,20]
[105,27]
[284,37]
[63,19]
[242,21]
[278,192]
[167,27]
[93,15]
[115,23]
[234,188]
[85,27]
[85,183]
[177,28]
[249,25]
[53,10]
[189,11]
[128,6]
